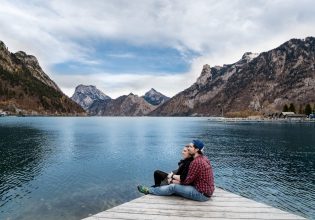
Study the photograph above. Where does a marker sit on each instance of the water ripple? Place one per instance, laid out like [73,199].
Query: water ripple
[68,168]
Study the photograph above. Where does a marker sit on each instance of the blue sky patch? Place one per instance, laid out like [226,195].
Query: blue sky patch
[120,57]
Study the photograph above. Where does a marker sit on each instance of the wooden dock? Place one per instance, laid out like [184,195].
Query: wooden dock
[222,205]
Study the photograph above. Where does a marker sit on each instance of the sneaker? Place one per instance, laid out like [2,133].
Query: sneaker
[143,189]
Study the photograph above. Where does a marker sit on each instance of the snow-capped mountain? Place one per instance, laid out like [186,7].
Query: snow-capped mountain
[86,95]
[154,97]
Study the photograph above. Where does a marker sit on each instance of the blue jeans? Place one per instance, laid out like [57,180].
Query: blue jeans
[186,191]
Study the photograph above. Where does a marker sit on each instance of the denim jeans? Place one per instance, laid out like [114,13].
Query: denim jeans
[186,191]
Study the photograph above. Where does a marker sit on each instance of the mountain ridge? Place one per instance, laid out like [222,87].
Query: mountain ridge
[125,105]
[26,89]
[254,86]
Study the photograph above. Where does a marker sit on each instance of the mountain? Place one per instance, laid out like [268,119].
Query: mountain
[154,97]
[126,105]
[26,89]
[86,95]
[255,85]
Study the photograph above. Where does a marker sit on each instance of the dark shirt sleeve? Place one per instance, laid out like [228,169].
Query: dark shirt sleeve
[192,173]
[184,170]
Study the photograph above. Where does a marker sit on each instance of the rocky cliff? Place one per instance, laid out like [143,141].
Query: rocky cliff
[256,84]
[86,95]
[26,89]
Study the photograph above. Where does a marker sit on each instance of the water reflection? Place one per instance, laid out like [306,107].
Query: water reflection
[21,160]
[271,163]
[68,168]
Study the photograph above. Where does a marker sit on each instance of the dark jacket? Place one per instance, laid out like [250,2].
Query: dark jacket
[183,167]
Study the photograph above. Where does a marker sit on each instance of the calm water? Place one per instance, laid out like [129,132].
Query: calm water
[68,168]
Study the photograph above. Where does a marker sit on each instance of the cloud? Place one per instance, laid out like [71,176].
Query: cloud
[218,31]
[117,85]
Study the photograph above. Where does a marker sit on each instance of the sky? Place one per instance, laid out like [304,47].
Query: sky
[124,46]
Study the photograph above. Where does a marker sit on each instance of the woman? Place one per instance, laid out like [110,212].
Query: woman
[162,178]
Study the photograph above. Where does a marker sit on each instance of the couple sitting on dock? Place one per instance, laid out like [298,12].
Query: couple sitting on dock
[193,179]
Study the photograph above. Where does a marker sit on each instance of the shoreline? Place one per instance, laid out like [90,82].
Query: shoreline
[209,118]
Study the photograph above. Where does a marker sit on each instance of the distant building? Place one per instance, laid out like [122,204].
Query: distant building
[286,114]
[296,116]
[292,116]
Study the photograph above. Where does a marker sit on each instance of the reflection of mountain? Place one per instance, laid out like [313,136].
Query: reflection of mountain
[21,156]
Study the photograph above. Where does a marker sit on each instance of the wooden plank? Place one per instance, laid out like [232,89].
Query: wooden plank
[161,215]
[210,208]
[223,205]
[217,214]
[145,217]
[212,199]
[192,203]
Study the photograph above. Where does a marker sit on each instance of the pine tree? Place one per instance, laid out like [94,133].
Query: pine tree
[308,109]
[301,109]
[285,108]
[292,108]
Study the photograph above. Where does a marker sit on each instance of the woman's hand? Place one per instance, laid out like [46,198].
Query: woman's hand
[176,177]
[175,181]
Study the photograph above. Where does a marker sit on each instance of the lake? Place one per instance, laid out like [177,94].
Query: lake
[70,167]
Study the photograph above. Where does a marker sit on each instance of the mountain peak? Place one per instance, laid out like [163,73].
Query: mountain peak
[152,90]
[205,75]
[249,56]
[86,88]
[154,97]
[32,92]
[2,45]
[85,95]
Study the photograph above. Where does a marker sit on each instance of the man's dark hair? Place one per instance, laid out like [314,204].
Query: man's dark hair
[199,152]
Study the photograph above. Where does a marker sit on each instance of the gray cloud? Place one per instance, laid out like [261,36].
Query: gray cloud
[221,31]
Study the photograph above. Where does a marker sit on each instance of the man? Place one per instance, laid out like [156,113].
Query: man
[199,183]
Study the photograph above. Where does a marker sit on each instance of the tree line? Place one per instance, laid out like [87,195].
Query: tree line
[307,109]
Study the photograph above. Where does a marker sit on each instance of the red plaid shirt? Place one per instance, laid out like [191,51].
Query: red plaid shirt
[200,175]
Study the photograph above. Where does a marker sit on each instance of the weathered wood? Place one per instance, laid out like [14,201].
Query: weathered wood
[222,205]
[212,208]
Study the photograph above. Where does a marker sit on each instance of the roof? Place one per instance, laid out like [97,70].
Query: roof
[287,113]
